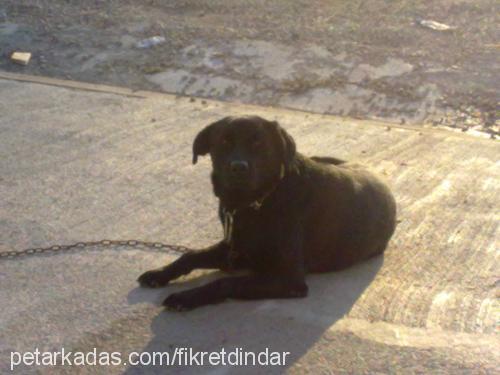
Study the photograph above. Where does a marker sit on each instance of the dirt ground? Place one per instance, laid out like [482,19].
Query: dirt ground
[364,59]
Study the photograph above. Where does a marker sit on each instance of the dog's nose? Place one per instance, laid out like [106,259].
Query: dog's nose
[239,167]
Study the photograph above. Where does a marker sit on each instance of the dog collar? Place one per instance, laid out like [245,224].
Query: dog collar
[257,204]
[228,225]
[233,254]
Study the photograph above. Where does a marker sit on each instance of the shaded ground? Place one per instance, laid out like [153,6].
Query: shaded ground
[356,58]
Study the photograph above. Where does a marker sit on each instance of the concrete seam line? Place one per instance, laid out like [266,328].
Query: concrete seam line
[144,94]
[68,84]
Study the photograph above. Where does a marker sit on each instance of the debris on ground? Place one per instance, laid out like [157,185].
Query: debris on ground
[438,26]
[22,58]
[150,42]
[469,120]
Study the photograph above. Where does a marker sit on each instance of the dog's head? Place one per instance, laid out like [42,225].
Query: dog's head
[249,156]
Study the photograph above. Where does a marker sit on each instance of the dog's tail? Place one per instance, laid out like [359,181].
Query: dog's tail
[328,160]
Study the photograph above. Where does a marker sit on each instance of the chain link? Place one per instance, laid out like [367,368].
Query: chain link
[158,246]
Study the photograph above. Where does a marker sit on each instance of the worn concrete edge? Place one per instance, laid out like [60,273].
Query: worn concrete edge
[144,94]
[69,84]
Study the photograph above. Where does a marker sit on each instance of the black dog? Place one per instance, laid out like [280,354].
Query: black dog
[284,215]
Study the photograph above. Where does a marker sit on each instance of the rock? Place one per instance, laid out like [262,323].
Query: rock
[22,58]
[150,42]
[434,25]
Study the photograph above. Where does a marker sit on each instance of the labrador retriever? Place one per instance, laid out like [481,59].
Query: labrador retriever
[284,215]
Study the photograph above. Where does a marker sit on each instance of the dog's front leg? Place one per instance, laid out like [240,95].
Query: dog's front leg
[238,287]
[286,281]
[212,257]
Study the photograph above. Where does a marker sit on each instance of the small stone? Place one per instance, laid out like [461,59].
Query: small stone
[438,26]
[22,58]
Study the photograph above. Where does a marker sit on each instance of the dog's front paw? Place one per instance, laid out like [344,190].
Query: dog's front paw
[181,301]
[154,278]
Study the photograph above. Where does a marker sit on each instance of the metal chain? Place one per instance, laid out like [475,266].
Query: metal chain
[158,246]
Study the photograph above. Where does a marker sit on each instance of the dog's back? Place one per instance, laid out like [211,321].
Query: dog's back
[351,215]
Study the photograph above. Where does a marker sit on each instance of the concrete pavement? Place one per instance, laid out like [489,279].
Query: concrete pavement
[82,162]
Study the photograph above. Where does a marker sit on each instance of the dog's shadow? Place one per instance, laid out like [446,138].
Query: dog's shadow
[285,325]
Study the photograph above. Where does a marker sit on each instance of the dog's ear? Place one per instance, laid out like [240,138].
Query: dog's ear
[202,143]
[287,145]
